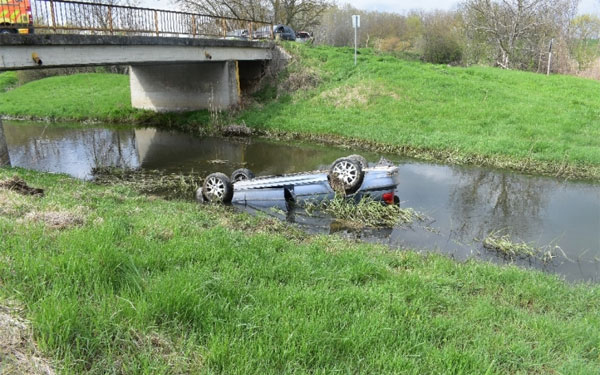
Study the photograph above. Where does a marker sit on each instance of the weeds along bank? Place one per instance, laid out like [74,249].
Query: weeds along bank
[478,115]
[114,281]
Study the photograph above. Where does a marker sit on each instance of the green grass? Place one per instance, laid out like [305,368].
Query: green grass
[80,96]
[8,80]
[477,110]
[153,286]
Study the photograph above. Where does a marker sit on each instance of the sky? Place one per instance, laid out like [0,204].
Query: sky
[401,6]
[397,6]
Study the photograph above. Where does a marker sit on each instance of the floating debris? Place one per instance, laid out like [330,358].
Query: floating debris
[365,213]
[503,245]
[151,182]
[236,131]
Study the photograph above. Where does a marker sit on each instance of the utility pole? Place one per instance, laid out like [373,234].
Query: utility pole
[355,25]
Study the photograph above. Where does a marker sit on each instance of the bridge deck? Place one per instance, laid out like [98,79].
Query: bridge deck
[57,50]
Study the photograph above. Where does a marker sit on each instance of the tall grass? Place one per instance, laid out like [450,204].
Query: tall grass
[154,286]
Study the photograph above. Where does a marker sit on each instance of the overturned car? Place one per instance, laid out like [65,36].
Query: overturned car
[350,176]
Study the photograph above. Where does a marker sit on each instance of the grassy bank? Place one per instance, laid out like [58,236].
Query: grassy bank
[478,115]
[480,112]
[115,282]
[77,97]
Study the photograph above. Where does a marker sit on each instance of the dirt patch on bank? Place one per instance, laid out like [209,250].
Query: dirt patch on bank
[18,351]
[360,94]
[57,219]
[18,185]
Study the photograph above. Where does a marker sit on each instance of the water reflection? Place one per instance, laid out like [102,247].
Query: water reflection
[70,150]
[464,203]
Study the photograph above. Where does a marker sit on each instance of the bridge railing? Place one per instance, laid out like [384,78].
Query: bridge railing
[60,16]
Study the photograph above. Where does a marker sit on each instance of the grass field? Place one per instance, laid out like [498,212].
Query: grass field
[7,80]
[80,96]
[115,282]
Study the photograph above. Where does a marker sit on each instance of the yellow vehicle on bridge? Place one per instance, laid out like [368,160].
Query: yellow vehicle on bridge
[15,17]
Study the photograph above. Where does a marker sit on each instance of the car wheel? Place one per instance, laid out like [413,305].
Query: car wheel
[361,159]
[6,31]
[241,175]
[345,174]
[217,188]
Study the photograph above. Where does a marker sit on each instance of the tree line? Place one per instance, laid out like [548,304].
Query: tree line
[511,34]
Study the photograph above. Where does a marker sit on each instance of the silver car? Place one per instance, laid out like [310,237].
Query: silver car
[351,176]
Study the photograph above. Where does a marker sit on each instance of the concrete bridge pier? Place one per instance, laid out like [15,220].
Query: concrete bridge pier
[4,158]
[186,86]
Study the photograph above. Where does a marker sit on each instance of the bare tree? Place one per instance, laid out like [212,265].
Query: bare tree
[393,32]
[515,27]
[245,9]
[585,32]
[298,14]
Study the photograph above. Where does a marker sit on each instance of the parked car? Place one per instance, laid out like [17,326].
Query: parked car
[350,175]
[303,36]
[238,34]
[279,32]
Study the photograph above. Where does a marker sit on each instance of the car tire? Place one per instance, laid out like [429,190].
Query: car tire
[361,159]
[241,174]
[345,175]
[217,188]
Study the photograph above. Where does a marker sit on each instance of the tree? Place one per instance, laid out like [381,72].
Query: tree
[585,33]
[390,31]
[517,29]
[442,38]
[299,14]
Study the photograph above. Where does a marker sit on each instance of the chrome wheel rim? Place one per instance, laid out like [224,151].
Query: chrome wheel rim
[215,188]
[346,172]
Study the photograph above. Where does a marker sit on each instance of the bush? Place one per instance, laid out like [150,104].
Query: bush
[442,39]
[441,49]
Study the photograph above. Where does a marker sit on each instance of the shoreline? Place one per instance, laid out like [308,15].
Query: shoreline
[559,170]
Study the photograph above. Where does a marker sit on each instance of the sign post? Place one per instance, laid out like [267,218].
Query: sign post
[355,25]
[549,57]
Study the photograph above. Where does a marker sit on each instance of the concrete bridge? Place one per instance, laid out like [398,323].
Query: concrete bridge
[166,73]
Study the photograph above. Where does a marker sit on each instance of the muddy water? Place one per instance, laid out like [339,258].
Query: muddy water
[463,204]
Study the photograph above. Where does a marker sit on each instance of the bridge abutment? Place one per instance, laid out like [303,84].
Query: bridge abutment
[185,87]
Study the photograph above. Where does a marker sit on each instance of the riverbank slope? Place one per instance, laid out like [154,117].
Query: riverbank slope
[114,281]
[477,115]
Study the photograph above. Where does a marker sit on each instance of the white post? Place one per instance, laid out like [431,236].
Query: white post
[549,57]
[355,25]
[355,44]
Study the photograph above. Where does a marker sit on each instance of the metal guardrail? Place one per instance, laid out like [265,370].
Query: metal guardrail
[61,16]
